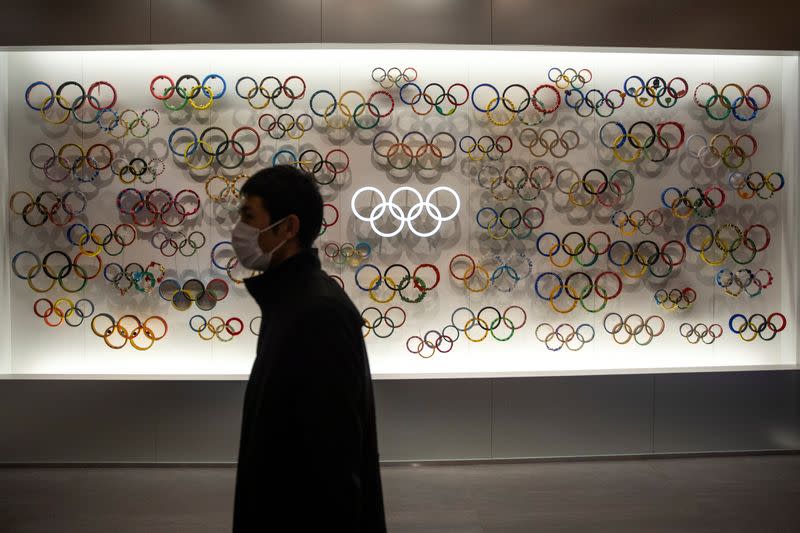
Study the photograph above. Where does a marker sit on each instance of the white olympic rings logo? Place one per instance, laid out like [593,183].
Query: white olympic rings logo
[414,212]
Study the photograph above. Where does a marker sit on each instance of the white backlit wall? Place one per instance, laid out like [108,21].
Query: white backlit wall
[31,347]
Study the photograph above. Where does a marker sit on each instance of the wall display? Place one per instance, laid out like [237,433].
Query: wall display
[490,212]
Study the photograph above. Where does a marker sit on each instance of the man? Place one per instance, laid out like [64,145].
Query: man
[308,455]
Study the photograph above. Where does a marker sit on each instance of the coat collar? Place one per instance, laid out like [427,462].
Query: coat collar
[271,287]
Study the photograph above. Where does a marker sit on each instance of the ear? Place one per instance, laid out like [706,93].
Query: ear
[292,226]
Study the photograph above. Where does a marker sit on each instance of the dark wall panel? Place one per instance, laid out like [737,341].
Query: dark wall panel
[727,412]
[771,25]
[407,21]
[572,416]
[434,419]
[88,22]
[240,21]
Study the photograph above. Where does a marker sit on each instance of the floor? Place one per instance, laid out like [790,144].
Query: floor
[730,494]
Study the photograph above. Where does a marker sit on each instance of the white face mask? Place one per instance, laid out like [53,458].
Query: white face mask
[245,243]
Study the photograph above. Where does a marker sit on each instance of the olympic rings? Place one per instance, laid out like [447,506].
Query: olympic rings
[130,122]
[324,169]
[675,298]
[365,112]
[516,179]
[634,326]
[69,104]
[643,142]
[757,325]
[595,187]
[645,94]
[707,96]
[134,275]
[727,239]
[733,283]
[48,206]
[549,141]
[101,237]
[413,149]
[555,338]
[380,322]
[594,101]
[171,242]
[577,286]
[396,211]
[393,77]
[69,161]
[398,283]
[207,153]
[270,90]
[129,171]
[157,205]
[637,220]
[509,221]
[116,333]
[63,310]
[286,124]
[702,203]
[569,77]
[445,101]
[347,253]
[485,146]
[756,184]
[501,273]
[216,327]
[695,333]
[188,94]
[733,152]
[476,328]
[226,190]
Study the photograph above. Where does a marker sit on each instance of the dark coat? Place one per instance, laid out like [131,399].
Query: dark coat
[308,455]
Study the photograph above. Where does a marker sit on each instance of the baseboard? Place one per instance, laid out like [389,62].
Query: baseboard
[433,462]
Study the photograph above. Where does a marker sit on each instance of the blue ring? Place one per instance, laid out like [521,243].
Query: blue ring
[80,313]
[558,243]
[496,102]
[363,243]
[634,77]
[730,323]
[28,93]
[478,214]
[611,247]
[620,126]
[69,232]
[214,249]
[311,102]
[419,90]
[105,272]
[540,276]
[664,195]
[172,135]
[282,151]
[220,78]
[511,270]
[689,235]
[362,267]
[580,102]
[205,322]
[736,104]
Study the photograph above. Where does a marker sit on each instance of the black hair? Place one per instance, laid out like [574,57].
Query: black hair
[286,190]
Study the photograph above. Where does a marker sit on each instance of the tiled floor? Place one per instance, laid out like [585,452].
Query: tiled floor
[733,494]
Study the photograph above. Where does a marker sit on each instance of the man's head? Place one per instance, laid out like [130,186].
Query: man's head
[286,194]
